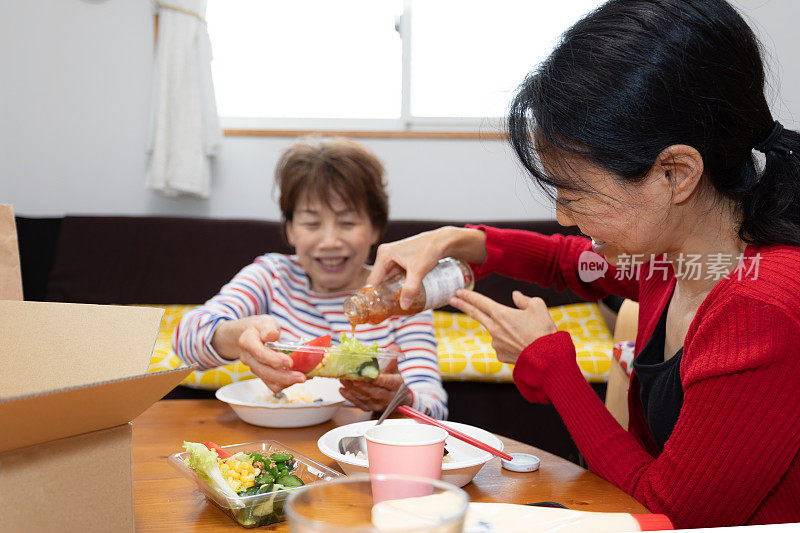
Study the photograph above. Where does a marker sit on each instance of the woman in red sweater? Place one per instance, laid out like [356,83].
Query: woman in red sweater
[643,124]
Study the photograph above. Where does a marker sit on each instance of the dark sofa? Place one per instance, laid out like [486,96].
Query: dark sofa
[164,260]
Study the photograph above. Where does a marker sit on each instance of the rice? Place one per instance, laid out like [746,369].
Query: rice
[360,455]
[298,393]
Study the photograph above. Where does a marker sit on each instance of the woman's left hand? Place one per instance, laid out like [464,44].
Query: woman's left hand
[512,330]
[374,395]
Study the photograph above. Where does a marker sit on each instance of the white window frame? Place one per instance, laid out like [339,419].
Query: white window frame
[405,123]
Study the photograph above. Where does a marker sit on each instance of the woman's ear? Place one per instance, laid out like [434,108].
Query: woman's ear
[682,167]
[289,231]
[376,236]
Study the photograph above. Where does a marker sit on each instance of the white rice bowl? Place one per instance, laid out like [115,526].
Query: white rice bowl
[466,460]
[252,401]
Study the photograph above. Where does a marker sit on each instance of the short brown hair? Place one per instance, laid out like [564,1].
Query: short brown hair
[320,168]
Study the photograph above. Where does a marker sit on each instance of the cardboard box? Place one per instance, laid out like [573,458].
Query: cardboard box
[72,378]
[10,274]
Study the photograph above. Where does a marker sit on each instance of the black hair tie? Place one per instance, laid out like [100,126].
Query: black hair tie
[768,144]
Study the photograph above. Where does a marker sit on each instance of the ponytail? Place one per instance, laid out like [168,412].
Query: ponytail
[771,208]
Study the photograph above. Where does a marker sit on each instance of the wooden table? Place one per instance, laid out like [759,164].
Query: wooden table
[167,501]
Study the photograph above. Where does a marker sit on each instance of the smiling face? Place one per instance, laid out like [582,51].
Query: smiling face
[621,218]
[332,241]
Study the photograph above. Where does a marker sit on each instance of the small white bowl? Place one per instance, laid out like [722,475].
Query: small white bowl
[466,460]
[249,400]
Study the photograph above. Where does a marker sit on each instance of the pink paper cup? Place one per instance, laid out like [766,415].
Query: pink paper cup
[412,450]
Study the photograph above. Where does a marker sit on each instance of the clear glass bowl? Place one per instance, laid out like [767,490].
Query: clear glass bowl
[355,365]
[259,509]
[378,503]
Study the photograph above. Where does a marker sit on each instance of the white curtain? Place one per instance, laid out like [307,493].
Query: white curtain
[184,129]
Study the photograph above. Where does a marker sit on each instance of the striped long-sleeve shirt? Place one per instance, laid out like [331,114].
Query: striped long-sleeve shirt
[276,285]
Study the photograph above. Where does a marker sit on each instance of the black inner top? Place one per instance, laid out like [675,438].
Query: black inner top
[661,388]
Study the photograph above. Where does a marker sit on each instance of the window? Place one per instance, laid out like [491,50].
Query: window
[378,64]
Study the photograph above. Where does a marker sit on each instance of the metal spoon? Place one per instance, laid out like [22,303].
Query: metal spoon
[359,443]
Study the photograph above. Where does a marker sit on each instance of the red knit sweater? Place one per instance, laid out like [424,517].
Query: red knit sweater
[733,456]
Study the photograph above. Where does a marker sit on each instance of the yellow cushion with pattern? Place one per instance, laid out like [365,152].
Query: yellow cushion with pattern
[164,358]
[465,348]
[466,353]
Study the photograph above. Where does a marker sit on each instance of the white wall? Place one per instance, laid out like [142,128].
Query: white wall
[74,104]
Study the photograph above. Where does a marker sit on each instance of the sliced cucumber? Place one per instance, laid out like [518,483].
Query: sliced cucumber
[249,492]
[258,458]
[265,477]
[290,481]
[264,508]
[369,369]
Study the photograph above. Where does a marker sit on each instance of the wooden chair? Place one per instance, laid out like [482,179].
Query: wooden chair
[617,391]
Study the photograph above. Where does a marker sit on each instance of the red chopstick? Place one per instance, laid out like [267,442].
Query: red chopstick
[412,413]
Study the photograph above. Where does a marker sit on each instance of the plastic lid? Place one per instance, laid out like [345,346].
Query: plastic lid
[522,462]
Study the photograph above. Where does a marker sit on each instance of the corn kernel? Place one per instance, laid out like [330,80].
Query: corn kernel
[256,472]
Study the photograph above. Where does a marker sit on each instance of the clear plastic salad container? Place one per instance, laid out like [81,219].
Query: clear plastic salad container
[349,360]
[259,509]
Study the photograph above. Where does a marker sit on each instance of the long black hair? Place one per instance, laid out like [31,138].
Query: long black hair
[636,76]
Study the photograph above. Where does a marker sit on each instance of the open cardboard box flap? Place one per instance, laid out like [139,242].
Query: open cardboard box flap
[75,368]
[29,420]
[48,346]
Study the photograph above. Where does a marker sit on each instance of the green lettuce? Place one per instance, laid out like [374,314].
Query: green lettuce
[350,360]
[353,345]
[204,463]
[241,457]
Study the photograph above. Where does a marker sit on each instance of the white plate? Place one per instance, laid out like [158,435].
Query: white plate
[467,459]
[248,400]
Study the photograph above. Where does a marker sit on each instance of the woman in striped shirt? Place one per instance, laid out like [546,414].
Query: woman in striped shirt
[335,208]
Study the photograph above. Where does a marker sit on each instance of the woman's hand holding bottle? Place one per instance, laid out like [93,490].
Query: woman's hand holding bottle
[244,340]
[512,330]
[418,255]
